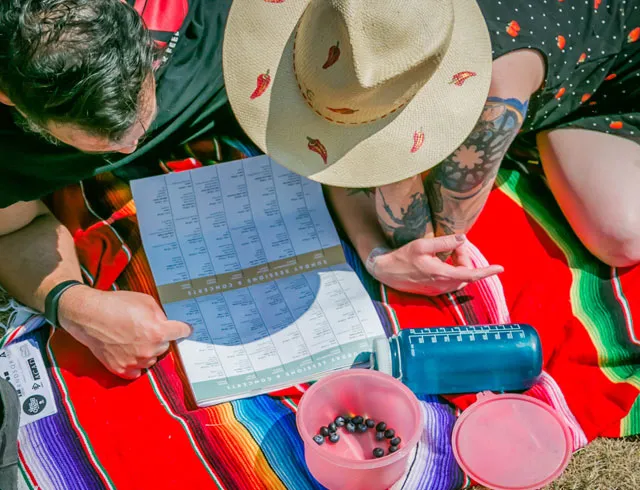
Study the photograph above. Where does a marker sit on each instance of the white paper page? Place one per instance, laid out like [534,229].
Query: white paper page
[246,252]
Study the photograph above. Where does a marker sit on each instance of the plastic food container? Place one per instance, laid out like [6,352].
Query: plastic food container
[511,442]
[349,464]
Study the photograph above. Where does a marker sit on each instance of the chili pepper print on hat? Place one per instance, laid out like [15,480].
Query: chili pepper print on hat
[357,93]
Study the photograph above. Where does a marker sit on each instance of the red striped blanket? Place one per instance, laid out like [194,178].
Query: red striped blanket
[148,434]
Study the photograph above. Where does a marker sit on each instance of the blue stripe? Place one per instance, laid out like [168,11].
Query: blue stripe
[273,426]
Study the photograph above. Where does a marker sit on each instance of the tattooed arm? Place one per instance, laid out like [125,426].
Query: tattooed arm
[406,225]
[403,211]
[458,187]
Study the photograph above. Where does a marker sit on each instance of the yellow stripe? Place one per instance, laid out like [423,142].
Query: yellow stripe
[248,448]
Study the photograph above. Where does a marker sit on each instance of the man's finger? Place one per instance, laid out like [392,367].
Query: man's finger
[448,243]
[161,349]
[177,330]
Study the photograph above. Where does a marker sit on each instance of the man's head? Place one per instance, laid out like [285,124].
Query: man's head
[78,71]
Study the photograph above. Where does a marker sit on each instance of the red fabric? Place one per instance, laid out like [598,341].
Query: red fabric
[537,283]
[538,289]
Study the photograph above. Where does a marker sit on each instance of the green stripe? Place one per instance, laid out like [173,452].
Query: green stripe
[630,425]
[592,298]
[156,390]
[290,400]
[25,476]
[74,417]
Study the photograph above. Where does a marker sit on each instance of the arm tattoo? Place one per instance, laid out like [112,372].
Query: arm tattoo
[410,224]
[458,187]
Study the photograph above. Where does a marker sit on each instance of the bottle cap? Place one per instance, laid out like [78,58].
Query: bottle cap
[511,442]
[382,354]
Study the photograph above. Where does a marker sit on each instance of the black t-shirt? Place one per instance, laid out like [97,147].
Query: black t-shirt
[190,89]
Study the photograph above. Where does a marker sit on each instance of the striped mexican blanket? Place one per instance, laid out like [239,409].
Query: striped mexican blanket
[148,434]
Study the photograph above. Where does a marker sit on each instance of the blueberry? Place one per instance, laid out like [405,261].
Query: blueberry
[357,419]
[370,423]
[395,441]
[379,436]
[347,418]
[333,427]
[351,427]
[393,449]
[324,431]
[378,452]
[381,427]
[335,437]
[340,421]
[318,439]
[389,433]
[362,428]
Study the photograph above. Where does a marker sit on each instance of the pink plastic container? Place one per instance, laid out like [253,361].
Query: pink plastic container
[512,442]
[349,464]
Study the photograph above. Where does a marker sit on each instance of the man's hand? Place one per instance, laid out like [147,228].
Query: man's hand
[126,331]
[415,267]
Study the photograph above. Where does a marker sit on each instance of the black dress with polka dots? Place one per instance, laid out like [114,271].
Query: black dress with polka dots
[592,52]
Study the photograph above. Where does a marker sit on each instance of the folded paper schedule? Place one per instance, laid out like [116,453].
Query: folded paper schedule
[247,254]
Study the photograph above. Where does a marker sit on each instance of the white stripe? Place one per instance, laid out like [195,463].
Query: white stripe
[454,302]
[617,287]
[185,426]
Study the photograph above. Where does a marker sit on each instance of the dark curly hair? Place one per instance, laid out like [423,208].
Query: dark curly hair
[83,62]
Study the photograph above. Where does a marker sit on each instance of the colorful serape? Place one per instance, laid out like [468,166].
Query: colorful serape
[148,434]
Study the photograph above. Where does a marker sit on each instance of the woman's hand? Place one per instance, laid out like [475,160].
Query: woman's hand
[415,267]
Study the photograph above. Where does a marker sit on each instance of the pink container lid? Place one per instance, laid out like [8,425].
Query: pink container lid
[511,442]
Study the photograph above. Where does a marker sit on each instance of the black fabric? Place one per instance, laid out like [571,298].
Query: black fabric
[190,89]
[592,52]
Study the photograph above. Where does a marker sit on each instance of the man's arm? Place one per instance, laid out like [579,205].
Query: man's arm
[459,186]
[37,253]
[126,331]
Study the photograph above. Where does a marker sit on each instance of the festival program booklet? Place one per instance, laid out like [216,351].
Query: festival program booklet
[247,254]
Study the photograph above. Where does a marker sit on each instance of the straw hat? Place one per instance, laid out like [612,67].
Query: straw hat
[357,93]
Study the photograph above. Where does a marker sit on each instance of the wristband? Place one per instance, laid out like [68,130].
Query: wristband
[53,299]
[370,263]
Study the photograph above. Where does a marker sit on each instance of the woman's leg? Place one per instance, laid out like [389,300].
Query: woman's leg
[595,177]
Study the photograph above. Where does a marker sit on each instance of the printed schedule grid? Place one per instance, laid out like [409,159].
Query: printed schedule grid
[246,252]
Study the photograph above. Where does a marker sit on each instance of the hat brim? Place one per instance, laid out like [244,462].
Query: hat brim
[260,35]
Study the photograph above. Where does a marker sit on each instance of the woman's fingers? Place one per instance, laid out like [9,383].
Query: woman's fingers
[441,244]
[466,274]
[461,257]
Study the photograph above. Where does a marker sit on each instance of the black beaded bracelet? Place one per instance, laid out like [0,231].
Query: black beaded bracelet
[53,298]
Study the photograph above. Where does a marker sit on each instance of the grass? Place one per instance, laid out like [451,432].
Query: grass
[606,464]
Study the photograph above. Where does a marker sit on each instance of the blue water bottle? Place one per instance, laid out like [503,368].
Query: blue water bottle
[469,359]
